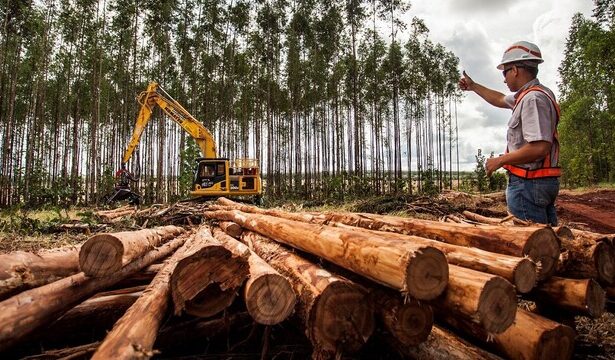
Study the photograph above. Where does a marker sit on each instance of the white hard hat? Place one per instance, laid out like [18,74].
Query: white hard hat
[522,51]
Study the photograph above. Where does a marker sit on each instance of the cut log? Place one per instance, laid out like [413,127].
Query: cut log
[268,296]
[531,337]
[206,281]
[31,309]
[410,322]
[522,272]
[444,345]
[334,312]
[94,316]
[134,334]
[21,270]
[539,243]
[583,297]
[105,254]
[231,228]
[77,352]
[113,216]
[588,258]
[485,299]
[418,270]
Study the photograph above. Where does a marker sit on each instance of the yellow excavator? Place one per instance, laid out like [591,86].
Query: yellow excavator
[214,176]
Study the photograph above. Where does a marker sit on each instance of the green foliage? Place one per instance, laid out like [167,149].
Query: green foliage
[480,173]
[188,156]
[587,124]
[428,177]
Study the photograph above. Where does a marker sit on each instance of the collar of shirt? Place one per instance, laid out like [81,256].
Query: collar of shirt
[530,83]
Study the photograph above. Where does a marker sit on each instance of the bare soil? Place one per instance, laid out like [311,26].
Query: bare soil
[593,210]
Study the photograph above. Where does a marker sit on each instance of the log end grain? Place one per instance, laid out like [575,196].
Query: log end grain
[557,343]
[231,228]
[604,258]
[426,274]
[596,299]
[101,255]
[413,323]
[525,276]
[497,305]
[270,299]
[543,246]
[341,319]
[206,281]
[210,301]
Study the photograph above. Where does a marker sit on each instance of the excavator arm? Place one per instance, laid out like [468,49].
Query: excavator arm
[155,95]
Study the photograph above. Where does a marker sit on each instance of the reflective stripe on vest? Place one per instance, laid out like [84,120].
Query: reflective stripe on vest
[535,53]
[546,170]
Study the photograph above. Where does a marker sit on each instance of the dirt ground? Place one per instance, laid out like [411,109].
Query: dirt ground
[592,210]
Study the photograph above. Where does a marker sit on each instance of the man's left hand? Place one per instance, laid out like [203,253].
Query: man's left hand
[493,164]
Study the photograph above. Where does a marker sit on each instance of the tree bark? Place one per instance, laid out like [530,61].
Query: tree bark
[113,215]
[539,243]
[584,297]
[530,337]
[485,299]
[28,311]
[588,257]
[105,254]
[269,296]
[134,334]
[409,322]
[418,270]
[22,270]
[143,277]
[206,280]
[334,312]
[444,345]
[520,271]
[231,228]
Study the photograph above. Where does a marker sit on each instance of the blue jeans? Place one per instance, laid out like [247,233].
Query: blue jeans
[533,199]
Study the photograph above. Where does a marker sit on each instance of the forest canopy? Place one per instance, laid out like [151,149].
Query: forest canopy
[330,104]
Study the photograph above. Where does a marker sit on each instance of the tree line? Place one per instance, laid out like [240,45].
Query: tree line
[336,99]
[587,124]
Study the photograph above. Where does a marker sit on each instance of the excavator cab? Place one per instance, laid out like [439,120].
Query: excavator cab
[220,177]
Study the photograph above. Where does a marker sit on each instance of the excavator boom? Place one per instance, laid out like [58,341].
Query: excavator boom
[214,176]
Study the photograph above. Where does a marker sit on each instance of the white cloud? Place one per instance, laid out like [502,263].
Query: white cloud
[478,31]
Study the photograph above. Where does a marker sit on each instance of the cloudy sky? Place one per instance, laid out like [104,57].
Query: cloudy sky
[478,31]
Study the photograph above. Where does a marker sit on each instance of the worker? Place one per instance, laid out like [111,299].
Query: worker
[532,147]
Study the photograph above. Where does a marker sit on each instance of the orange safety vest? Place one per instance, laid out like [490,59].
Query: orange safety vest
[546,170]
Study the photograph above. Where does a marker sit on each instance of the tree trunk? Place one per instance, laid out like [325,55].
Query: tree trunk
[114,215]
[105,254]
[231,228]
[134,334]
[421,271]
[22,270]
[28,311]
[482,298]
[588,257]
[530,337]
[584,297]
[206,280]
[410,322]
[520,271]
[94,316]
[539,243]
[269,296]
[444,345]
[334,312]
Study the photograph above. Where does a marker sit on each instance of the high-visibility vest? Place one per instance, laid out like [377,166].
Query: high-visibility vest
[546,170]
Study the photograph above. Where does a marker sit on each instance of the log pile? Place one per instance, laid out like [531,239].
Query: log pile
[425,289]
